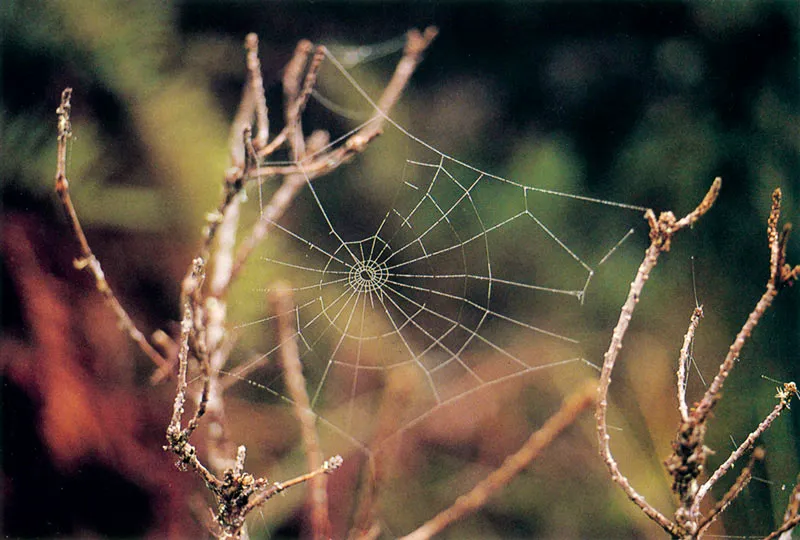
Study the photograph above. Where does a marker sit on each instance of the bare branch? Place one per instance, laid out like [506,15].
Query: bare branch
[705,205]
[183,363]
[777,255]
[784,396]
[177,436]
[296,97]
[284,308]
[772,236]
[792,510]
[741,482]
[256,84]
[292,76]
[661,233]
[88,261]
[192,285]
[267,493]
[683,362]
[785,526]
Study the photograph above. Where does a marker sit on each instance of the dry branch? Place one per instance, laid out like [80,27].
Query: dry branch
[786,526]
[284,308]
[687,462]
[684,361]
[689,452]
[87,260]
[236,491]
[661,233]
[738,486]
[743,448]
[204,335]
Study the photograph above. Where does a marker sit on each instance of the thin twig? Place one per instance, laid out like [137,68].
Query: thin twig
[734,352]
[642,275]
[792,509]
[88,261]
[169,349]
[292,75]
[687,460]
[226,225]
[215,308]
[256,84]
[512,466]
[183,363]
[661,233]
[284,308]
[786,274]
[296,96]
[785,526]
[783,403]
[309,82]
[261,497]
[741,482]
[177,436]
[416,44]
[683,362]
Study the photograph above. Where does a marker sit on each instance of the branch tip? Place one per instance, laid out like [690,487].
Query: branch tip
[251,41]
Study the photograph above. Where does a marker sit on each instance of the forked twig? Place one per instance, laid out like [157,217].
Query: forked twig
[784,396]
[687,462]
[661,233]
[741,482]
[328,466]
[512,466]
[237,492]
[689,452]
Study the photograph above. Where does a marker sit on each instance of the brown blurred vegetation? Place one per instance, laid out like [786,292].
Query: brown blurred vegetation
[640,103]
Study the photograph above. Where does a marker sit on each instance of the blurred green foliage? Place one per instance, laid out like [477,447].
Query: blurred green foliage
[642,103]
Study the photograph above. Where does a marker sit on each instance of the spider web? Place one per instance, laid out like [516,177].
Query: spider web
[454,282]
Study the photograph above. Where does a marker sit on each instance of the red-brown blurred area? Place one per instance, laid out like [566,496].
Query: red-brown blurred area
[643,103]
[81,450]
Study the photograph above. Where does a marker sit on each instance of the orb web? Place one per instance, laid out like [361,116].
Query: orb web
[436,282]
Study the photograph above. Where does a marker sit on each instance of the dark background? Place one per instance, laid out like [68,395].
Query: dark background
[643,103]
